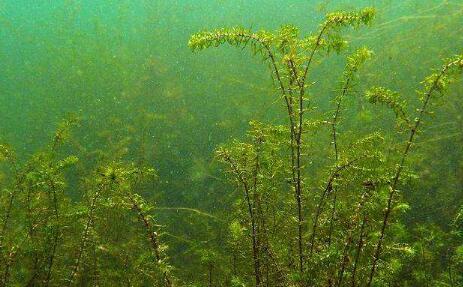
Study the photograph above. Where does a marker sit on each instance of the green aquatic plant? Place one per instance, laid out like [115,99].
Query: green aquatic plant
[47,239]
[38,188]
[114,187]
[360,177]
[390,99]
[290,59]
[254,169]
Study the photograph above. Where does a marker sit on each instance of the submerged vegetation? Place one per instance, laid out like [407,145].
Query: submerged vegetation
[319,194]
[339,230]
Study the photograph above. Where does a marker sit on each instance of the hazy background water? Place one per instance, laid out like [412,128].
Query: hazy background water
[124,67]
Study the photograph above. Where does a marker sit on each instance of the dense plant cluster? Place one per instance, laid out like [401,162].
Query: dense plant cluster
[49,239]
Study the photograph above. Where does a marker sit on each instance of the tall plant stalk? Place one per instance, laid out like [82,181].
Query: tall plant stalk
[239,174]
[353,64]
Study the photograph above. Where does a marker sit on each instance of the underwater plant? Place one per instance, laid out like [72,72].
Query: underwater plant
[114,185]
[47,239]
[35,235]
[358,165]
[290,59]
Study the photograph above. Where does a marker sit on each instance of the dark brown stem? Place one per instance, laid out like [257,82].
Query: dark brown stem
[8,211]
[258,213]
[32,236]
[298,188]
[358,252]
[6,219]
[31,281]
[296,147]
[152,236]
[334,124]
[449,255]
[296,160]
[51,259]
[210,266]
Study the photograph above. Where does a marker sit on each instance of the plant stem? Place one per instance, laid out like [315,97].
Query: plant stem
[152,236]
[84,237]
[255,249]
[358,251]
